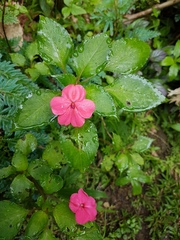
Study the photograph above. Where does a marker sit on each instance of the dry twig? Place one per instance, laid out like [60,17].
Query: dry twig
[160,6]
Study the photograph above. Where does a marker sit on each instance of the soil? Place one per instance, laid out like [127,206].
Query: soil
[120,199]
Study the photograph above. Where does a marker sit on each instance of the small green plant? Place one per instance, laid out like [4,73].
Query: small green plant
[128,228]
[172,61]
[40,175]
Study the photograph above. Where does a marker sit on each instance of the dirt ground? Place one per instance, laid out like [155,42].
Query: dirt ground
[120,198]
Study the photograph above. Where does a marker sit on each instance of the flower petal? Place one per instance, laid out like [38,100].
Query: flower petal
[74,92]
[74,202]
[91,212]
[90,202]
[85,108]
[59,105]
[82,216]
[76,119]
[82,195]
[65,119]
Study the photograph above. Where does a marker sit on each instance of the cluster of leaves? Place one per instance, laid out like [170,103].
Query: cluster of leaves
[50,162]
[75,148]
[15,87]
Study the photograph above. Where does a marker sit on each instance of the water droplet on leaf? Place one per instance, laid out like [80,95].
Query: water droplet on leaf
[108,40]
[29,95]
[80,48]
[75,54]
[101,67]
[38,92]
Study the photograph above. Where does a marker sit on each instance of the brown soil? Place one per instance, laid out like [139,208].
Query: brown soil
[120,199]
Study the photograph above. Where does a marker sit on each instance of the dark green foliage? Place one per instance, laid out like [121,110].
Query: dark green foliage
[15,87]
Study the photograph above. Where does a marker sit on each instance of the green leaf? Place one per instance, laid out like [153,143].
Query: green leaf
[53,155]
[77,10]
[107,163]
[40,171]
[11,218]
[68,2]
[34,73]
[52,183]
[32,51]
[54,42]
[18,59]
[6,172]
[122,162]
[20,161]
[142,33]
[167,61]
[124,6]
[46,8]
[80,147]
[47,235]
[177,49]
[96,193]
[135,173]
[128,56]
[176,127]
[136,187]
[20,187]
[63,216]
[142,144]
[173,71]
[117,142]
[36,110]
[27,145]
[121,181]
[137,158]
[89,234]
[104,103]
[65,79]
[42,68]
[134,93]
[66,11]
[90,57]
[36,225]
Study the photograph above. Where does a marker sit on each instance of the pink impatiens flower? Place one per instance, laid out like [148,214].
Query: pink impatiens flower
[83,206]
[72,107]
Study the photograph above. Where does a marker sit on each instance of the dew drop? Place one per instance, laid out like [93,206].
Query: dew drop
[108,40]
[75,54]
[101,67]
[94,139]
[38,92]
[29,95]
[18,225]
[68,45]
[111,53]
[80,48]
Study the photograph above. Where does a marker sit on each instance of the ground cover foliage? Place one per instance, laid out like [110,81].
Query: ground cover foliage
[126,56]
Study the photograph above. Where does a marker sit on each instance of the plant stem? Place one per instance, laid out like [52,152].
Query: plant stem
[3,28]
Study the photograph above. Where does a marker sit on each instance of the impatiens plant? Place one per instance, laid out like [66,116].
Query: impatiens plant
[85,86]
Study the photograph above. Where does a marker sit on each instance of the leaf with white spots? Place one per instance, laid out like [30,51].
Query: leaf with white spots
[134,93]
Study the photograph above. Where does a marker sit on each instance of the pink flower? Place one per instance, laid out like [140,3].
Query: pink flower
[83,206]
[72,107]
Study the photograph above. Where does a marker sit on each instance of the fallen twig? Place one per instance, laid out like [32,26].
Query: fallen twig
[130,17]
